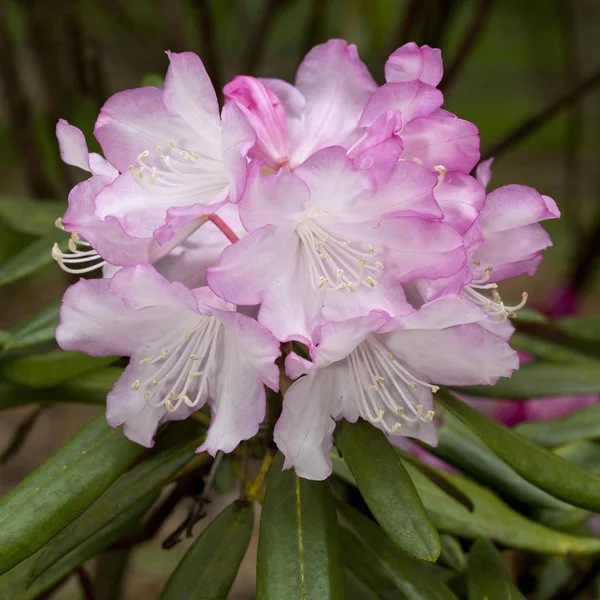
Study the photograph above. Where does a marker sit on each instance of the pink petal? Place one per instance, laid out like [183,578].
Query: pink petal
[304,430]
[442,140]
[410,62]
[412,98]
[237,138]
[336,86]
[461,197]
[483,172]
[278,199]
[457,355]
[513,206]
[72,145]
[189,93]
[290,97]
[266,114]
[417,247]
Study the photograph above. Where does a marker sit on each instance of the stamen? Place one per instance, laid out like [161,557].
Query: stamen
[441,169]
[80,259]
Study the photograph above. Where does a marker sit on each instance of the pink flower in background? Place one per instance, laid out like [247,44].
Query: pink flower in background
[385,370]
[187,348]
[326,229]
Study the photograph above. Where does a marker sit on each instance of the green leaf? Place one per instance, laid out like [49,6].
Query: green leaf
[33,257]
[490,518]
[543,379]
[529,315]
[61,489]
[48,370]
[486,576]
[17,582]
[33,330]
[452,554]
[387,489]
[209,567]
[32,217]
[579,425]
[153,80]
[367,570]
[581,328]
[535,464]
[128,489]
[459,446]
[549,350]
[417,580]
[225,477]
[299,553]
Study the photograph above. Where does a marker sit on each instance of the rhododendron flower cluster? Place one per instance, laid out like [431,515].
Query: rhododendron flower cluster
[333,221]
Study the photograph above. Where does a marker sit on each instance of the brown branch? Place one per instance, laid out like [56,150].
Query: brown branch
[408,22]
[208,48]
[20,115]
[85,583]
[313,27]
[579,583]
[469,41]
[529,126]
[438,14]
[21,434]
[258,38]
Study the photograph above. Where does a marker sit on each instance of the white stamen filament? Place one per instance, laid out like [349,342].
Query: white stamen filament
[333,262]
[493,306]
[383,387]
[184,365]
[77,261]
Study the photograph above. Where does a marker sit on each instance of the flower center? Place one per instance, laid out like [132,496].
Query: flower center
[493,306]
[176,170]
[82,258]
[384,388]
[333,262]
[180,373]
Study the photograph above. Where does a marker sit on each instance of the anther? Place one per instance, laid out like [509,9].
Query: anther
[59,223]
[396,427]
[146,396]
[164,353]
[135,385]
[174,395]
[146,361]
[170,406]
[435,389]
[154,381]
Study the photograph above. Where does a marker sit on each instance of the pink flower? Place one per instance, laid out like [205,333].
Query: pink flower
[178,161]
[411,62]
[187,347]
[327,229]
[322,109]
[385,371]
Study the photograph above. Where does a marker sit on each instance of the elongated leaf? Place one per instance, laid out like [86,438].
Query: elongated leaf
[459,446]
[579,425]
[452,554]
[543,379]
[33,330]
[537,465]
[17,583]
[387,489]
[47,370]
[209,567]
[33,257]
[299,553]
[490,518]
[583,328]
[89,388]
[367,569]
[356,589]
[128,489]
[61,489]
[486,575]
[33,217]
[549,350]
[418,580]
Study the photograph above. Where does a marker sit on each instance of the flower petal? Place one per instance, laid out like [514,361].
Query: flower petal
[72,145]
[461,197]
[483,173]
[336,86]
[412,98]
[410,62]
[442,140]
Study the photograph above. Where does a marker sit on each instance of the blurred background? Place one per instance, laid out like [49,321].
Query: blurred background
[526,73]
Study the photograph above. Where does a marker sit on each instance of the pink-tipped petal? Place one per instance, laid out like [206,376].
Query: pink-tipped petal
[72,145]
[483,172]
[410,62]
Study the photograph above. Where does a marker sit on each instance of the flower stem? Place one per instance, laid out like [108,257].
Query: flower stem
[225,229]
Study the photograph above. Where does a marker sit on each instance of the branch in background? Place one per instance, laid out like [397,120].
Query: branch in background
[469,41]
[109,576]
[172,17]
[408,22]
[208,49]
[534,123]
[20,116]
[578,584]
[22,433]
[437,18]
[574,123]
[85,583]
[258,38]
[313,27]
